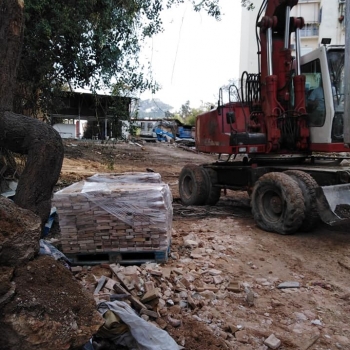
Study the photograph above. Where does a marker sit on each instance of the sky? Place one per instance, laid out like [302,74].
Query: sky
[195,55]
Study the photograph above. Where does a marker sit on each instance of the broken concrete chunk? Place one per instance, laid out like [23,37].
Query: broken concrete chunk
[174,322]
[149,313]
[136,303]
[76,268]
[214,272]
[188,243]
[196,256]
[185,282]
[131,270]
[156,273]
[166,272]
[145,317]
[217,279]
[110,284]
[234,287]
[242,336]
[272,342]
[191,302]
[289,284]
[150,295]
[100,284]
[149,285]
[161,323]
[120,289]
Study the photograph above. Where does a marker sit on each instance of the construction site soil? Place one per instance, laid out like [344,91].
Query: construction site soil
[316,315]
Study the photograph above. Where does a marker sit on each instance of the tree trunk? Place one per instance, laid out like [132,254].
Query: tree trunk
[39,141]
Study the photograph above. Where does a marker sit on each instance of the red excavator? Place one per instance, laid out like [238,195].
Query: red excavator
[280,135]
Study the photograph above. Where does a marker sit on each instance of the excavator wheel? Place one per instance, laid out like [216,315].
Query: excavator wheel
[278,203]
[193,185]
[214,193]
[308,187]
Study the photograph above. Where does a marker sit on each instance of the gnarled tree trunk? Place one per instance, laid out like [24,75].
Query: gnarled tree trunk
[39,141]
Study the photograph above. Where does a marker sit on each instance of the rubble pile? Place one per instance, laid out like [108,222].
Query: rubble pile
[189,289]
[163,296]
[129,212]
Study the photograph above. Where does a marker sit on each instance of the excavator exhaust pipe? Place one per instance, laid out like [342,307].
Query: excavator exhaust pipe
[333,204]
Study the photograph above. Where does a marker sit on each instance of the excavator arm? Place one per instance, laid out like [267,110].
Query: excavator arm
[282,85]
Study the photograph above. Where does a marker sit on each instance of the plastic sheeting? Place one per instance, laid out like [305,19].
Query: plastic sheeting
[142,335]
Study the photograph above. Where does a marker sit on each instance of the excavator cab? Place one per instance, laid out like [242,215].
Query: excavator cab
[323,69]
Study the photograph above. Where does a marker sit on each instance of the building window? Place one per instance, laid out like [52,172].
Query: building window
[320,15]
[310,29]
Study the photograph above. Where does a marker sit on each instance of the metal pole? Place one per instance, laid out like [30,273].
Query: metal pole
[106,136]
[297,50]
[347,75]
[269,51]
[286,28]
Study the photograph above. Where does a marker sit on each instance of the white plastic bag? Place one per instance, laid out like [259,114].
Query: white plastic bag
[146,335]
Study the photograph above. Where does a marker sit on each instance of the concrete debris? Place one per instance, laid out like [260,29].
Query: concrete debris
[290,284]
[272,342]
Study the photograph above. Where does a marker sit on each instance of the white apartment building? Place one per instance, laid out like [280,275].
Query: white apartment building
[323,19]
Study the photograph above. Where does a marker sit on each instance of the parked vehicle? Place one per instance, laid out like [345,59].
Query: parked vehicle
[287,124]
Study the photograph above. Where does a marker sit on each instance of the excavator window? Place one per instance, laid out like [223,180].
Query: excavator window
[314,93]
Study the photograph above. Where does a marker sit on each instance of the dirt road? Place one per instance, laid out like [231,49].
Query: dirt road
[315,315]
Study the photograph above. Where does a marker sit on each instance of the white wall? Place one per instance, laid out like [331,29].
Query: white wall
[248,48]
[330,26]
[68,131]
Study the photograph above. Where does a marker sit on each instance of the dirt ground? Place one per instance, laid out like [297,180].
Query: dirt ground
[314,316]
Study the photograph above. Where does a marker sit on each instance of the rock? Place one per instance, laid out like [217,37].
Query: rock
[276,303]
[217,279]
[149,313]
[249,298]
[150,295]
[242,336]
[272,342]
[300,316]
[149,285]
[145,317]
[175,309]
[174,322]
[161,323]
[234,287]
[183,304]
[183,294]
[166,272]
[341,339]
[289,284]
[190,244]
[309,314]
[20,232]
[316,322]
[76,268]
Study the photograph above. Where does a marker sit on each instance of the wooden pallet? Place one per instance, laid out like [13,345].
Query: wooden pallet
[122,258]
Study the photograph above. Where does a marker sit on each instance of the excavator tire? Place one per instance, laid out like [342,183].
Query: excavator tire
[278,203]
[308,186]
[214,193]
[193,185]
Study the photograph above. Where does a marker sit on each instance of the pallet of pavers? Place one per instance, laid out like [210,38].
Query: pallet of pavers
[124,218]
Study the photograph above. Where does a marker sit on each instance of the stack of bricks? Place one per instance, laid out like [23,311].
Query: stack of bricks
[112,213]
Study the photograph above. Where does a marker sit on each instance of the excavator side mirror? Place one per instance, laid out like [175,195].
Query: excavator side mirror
[230,117]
